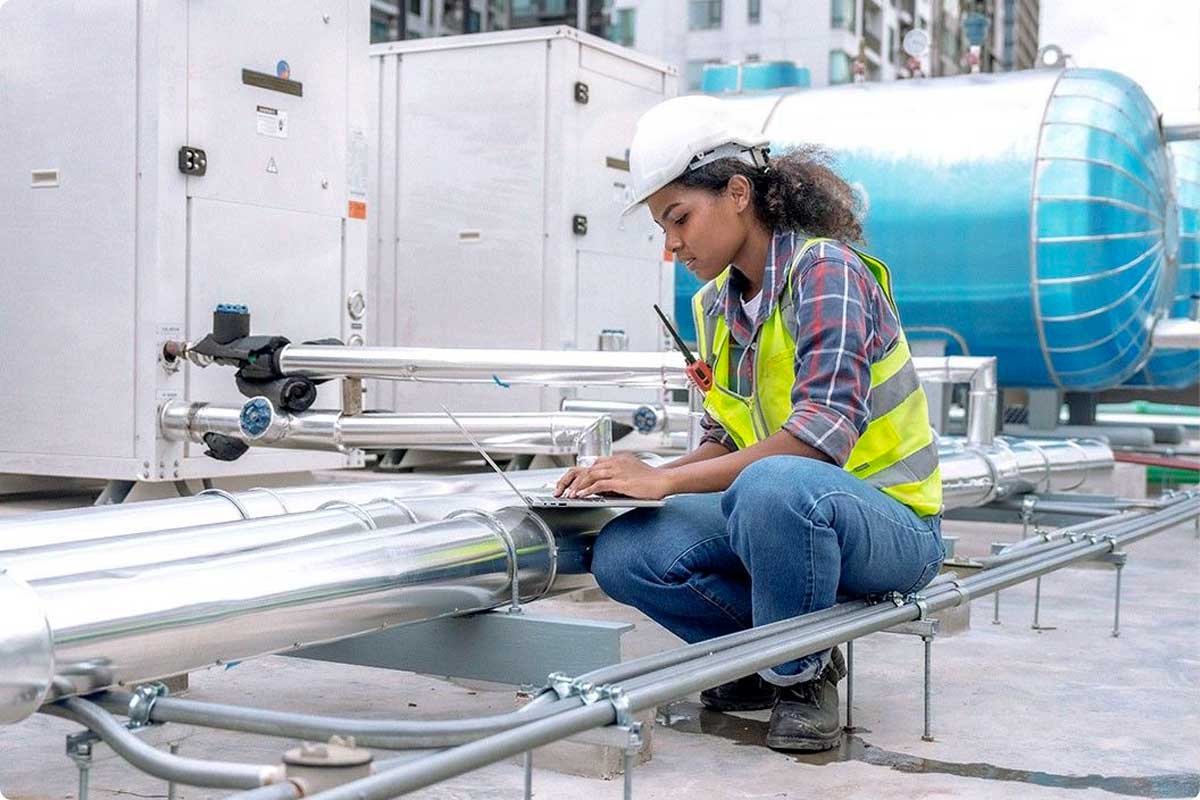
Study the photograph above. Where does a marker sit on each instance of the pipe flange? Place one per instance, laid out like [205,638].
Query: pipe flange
[355,510]
[231,498]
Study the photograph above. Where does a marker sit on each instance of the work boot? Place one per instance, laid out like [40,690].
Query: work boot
[750,693]
[805,717]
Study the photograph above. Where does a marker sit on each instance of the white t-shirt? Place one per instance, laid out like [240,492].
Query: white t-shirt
[751,306]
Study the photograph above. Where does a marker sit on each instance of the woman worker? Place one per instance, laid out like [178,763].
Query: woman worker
[817,476]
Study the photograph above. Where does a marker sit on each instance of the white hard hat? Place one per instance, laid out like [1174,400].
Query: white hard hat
[684,133]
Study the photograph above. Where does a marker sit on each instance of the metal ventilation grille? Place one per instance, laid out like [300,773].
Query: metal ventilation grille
[1180,368]
[1101,213]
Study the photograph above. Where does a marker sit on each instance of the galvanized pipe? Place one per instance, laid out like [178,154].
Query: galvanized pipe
[258,423]
[152,761]
[1176,334]
[97,630]
[729,666]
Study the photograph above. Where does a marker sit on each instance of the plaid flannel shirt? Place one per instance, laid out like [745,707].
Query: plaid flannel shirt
[845,324]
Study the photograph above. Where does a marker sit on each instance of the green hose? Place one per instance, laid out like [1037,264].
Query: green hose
[1146,407]
[1171,476]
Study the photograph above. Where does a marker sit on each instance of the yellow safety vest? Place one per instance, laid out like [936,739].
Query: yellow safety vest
[897,453]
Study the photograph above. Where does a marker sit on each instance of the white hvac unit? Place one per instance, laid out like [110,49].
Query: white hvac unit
[117,233]
[502,173]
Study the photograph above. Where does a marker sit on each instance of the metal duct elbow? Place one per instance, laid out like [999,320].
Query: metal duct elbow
[979,373]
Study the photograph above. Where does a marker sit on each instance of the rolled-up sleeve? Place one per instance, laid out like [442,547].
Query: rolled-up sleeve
[830,398]
[715,432]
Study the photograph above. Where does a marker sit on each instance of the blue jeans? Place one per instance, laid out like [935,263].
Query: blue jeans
[790,536]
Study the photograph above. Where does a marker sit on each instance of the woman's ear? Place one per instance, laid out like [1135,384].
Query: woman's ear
[740,192]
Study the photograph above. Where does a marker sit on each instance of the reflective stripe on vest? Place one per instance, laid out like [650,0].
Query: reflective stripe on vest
[896,453]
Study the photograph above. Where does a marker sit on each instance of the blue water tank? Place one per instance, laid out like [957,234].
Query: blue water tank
[1174,369]
[753,76]
[1022,214]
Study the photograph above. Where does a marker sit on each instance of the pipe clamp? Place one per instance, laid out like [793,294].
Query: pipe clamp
[141,704]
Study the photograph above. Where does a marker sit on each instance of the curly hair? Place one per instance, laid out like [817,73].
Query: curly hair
[797,191]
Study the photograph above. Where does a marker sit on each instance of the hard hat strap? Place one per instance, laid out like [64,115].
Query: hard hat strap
[754,156]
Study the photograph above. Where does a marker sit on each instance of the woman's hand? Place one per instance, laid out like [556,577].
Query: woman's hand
[622,474]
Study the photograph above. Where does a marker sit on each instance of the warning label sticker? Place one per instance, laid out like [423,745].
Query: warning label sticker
[272,122]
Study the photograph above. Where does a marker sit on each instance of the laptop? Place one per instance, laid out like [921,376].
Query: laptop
[547,499]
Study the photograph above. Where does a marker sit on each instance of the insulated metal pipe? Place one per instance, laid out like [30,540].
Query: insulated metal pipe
[664,370]
[1180,126]
[729,666]
[258,423]
[110,628]
[99,522]
[642,417]
[971,476]
[463,365]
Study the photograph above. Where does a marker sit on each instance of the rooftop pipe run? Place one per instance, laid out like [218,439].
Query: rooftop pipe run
[659,370]
[258,423]
[670,683]
[78,633]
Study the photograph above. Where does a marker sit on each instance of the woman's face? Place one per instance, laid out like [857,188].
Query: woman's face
[705,231]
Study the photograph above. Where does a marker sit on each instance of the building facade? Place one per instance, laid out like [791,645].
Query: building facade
[837,41]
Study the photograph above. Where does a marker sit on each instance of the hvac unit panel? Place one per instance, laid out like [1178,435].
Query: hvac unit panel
[486,155]
[109,249]
[266,145]
[67,203]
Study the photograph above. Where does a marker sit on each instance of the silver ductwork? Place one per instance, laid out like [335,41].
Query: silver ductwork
[1180,126]
[258,423]
[975,475]
[78,633]
[114,599]
[216,506]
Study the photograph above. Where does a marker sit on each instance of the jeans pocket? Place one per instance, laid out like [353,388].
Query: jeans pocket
[927,574]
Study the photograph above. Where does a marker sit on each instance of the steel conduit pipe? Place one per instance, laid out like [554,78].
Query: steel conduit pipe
[667,686]
[152,761]
[102,629]
[259,424]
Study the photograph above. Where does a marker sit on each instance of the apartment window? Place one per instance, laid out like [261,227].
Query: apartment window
[704,14]
[842,15]
[624,23]
[754,11]
[839,67]
[414,7]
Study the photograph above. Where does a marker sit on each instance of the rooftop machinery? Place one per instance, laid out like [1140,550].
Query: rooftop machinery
[499,168]
[1030,216]
[156,158]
